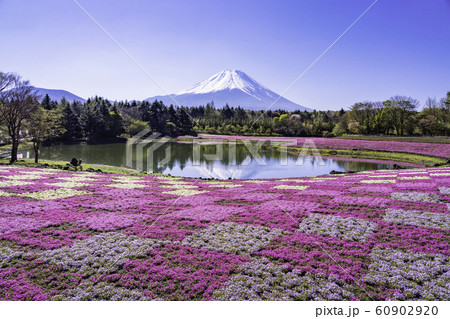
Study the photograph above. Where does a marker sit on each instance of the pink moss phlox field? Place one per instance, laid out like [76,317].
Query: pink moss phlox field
[372,235]
[441,150]
[432,149]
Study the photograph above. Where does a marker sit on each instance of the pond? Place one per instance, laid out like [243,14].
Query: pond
[205,159]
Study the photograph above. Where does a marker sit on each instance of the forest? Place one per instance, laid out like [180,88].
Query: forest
[99,118]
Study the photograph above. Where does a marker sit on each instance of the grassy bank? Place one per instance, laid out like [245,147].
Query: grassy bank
[85,167]
[413,139]
[427,161]
[363,152]
[418,159]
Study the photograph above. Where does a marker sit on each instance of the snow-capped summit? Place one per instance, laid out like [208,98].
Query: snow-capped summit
[229,79]
[233,87]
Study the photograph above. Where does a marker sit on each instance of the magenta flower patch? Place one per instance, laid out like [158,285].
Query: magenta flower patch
[14,285]
[348,260]
[381,235]
[178,273]
[214,213]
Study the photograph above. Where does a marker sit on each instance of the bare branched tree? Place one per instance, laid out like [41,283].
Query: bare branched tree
[18,100]
[431,103]
[5,81]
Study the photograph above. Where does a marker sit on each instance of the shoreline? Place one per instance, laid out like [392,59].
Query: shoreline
[407,160]
[292,143]
[109,169]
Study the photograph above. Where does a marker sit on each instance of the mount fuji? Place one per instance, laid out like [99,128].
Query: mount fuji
[233,87]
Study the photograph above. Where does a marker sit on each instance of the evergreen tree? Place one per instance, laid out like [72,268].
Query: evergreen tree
[144,110]
[89,122]
[157,117]
[447,102]
[185,125]
[227,112]
[240,114]
[116,126]
[71,123]
[104,120]
[46,102]
[172,114]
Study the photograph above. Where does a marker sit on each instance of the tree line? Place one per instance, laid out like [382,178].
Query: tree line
[98,118]
[398,115]
[23,117]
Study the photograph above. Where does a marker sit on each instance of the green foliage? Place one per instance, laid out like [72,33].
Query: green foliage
[135,126]
[44,124]
[338,130]
[399,116]
[98,118]
[48,104]
[71,122]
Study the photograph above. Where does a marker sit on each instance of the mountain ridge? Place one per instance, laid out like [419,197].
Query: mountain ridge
[232,87]
[57,95]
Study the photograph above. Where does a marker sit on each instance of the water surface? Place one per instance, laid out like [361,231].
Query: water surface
[208,159]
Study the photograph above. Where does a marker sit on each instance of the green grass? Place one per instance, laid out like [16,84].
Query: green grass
[427,161]
[105,168]
[413,139]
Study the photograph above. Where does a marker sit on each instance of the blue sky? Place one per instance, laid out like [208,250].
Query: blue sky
[400,47]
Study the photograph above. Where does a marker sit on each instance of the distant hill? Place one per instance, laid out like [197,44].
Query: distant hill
[233,87]
[57,95]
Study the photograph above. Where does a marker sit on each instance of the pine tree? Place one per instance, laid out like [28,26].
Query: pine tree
[144,110]
[185,125]
[46,102]
[116,126]
[71,123]
[172,114]
[447,101]
[157,117]
[89,122]
[227,112]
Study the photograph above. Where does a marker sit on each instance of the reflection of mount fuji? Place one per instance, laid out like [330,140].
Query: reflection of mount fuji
[238,163]
[234,172]
[233,87]
[247,169]
[232,164]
